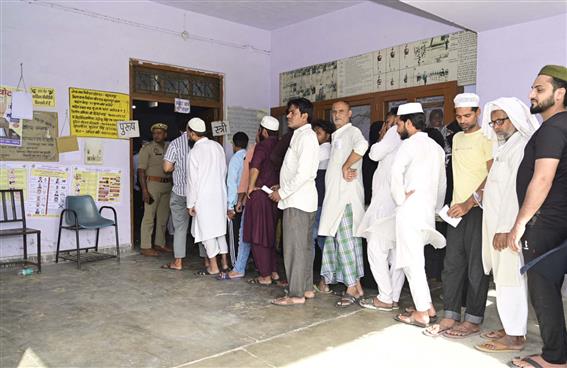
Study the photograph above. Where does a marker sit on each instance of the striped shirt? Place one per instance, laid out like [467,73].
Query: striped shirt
[177,154]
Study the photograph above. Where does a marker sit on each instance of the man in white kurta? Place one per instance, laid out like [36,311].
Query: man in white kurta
[343,206]
[510,120]
[381,248]
[206,194]
[418,186]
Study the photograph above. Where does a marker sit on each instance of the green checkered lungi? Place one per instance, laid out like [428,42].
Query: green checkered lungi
[342,255]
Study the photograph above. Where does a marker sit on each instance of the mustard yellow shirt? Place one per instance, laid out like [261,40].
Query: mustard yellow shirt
[470,153]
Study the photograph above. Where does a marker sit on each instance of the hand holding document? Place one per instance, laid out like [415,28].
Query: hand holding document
[453,221]
[267,190]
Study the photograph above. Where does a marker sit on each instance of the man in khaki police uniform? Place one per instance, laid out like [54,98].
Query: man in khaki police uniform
[156,190]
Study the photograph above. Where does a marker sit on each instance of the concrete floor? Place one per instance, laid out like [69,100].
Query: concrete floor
[134,314]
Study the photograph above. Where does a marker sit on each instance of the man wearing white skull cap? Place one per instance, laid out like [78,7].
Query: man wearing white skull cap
[206,194]
[509,120]
[418,184]
[471,161]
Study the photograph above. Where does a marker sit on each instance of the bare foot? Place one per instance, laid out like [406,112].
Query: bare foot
[493,335]
[462,330]
[235,275]
[309,295]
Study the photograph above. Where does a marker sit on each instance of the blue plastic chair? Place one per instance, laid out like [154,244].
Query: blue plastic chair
[81,213]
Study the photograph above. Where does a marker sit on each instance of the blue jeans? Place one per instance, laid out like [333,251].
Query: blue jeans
[243,249]
[320,239]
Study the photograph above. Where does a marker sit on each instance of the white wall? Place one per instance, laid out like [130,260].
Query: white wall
[63,49]
[348,32]
[509,58]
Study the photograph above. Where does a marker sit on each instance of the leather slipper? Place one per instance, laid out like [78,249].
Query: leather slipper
[412,321]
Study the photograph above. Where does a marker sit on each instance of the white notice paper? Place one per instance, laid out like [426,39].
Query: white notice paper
[22,105]
[182,106]
[453,221]
[267,190]
[128,129]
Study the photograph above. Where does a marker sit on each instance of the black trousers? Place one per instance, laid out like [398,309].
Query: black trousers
[544,287]
[463,268]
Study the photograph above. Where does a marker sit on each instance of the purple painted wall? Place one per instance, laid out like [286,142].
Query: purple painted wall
[348,32]
[509,58]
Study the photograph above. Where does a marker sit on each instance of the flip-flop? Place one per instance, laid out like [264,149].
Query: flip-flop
[225,276]
[368,303]
[206,273]
[255,281]
[412,321]
[440,332]
[459,337]
[498,347]
[328,291]
[168,266]
[346,301]
[492,335]
[528,360]
[284,302]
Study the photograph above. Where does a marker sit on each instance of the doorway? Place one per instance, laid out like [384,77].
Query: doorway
[153,89]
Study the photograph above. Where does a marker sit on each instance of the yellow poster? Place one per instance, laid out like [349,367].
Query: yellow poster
[14,177]
[95,113]
[43,96]
[84,182]
[109,186]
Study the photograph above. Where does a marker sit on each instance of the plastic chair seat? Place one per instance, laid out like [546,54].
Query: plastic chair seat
[96,224]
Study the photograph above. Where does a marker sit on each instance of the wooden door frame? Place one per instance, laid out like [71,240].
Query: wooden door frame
[218,107]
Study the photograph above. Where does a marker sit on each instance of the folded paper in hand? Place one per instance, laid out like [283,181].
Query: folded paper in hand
[453,221]
[267,190]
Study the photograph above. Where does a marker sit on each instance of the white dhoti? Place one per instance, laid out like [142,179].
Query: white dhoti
[382,257]
[216,246]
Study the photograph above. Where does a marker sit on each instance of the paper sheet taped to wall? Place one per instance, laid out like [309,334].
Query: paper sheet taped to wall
[95,113]
[39,140]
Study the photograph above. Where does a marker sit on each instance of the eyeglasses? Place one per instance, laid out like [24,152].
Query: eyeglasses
[498,122]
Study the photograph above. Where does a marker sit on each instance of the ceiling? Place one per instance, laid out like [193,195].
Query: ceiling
[481,16]
[474,15]
[264,14]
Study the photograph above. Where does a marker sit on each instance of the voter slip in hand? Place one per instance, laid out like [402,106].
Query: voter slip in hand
[267,190]
[453,221]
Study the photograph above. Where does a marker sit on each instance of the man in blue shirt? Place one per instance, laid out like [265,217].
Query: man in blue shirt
[235,166]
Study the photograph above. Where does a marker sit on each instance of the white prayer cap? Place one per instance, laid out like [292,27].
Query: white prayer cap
[410,108]
[466,100]
[270,123]
[197,125]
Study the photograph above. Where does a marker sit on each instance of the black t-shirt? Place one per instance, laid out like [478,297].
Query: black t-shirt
[549,141]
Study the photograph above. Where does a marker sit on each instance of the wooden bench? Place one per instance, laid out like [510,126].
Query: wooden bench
[13,211]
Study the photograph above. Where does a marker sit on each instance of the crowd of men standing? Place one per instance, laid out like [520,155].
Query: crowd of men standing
[507,179]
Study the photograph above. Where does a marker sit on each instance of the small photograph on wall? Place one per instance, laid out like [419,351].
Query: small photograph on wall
[94,152]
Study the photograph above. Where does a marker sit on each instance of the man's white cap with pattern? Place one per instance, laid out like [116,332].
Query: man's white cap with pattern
[197,125]
[466,100]
[410,108]
[270,123]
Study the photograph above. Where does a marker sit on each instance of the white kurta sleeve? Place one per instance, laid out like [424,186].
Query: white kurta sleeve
[192,179]
[389,143]
[399,166]
[442,183]
[308,152]
[509,208]
[359,143]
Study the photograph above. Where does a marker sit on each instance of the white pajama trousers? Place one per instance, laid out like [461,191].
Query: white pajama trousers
[382,258]
[418,287]
[512,304]
[215,246]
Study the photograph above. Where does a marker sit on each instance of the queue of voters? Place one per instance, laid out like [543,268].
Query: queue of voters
[498,177]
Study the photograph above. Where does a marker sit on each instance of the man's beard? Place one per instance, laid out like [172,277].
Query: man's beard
[542,106]
[191,143]
[404,134]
